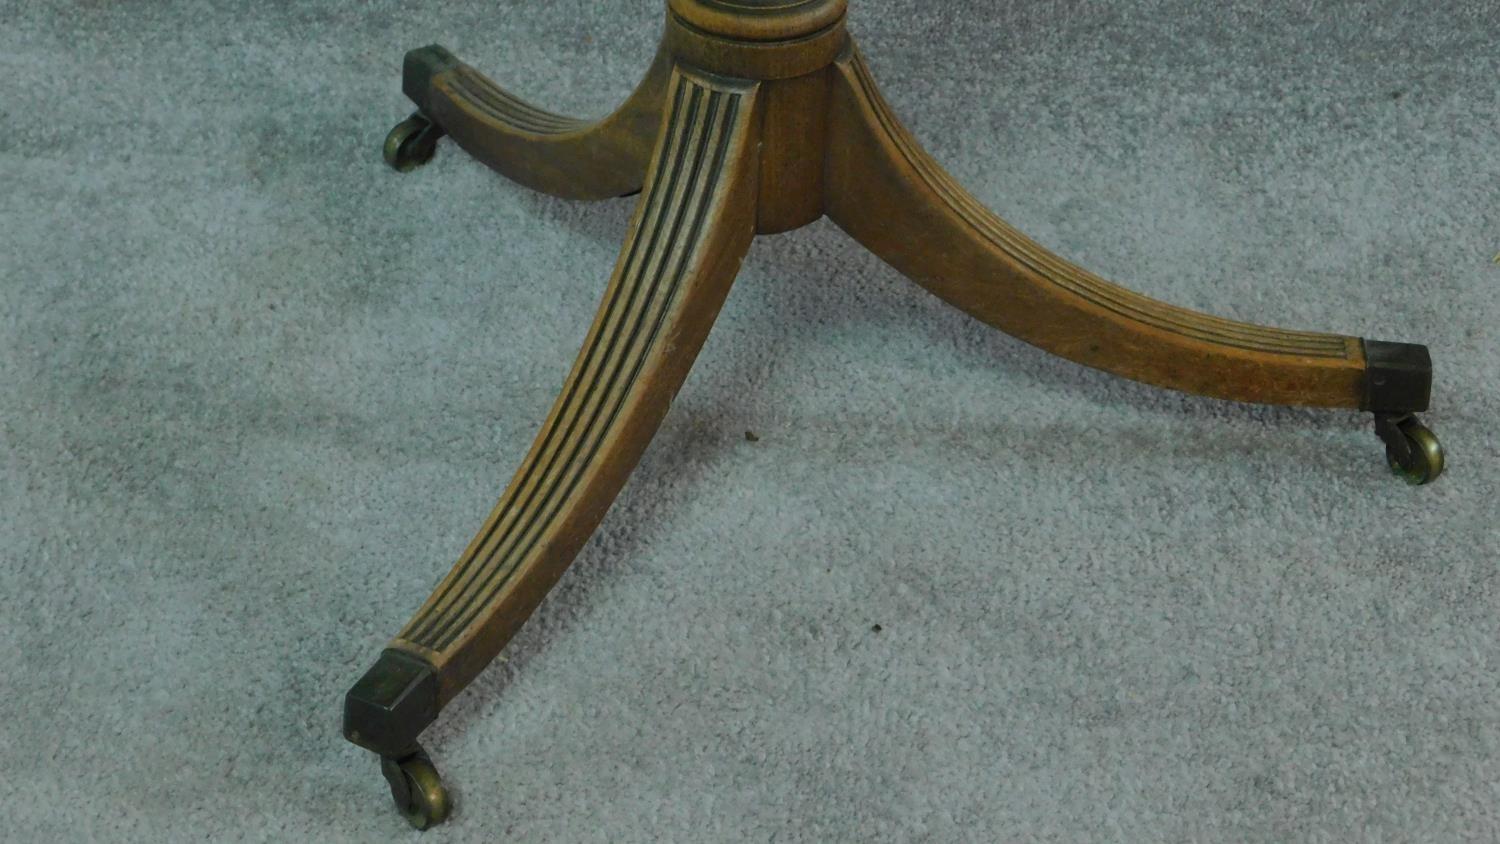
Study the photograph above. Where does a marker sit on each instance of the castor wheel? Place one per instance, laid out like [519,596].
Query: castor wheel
[417,789]
[1412,450]
[412,143]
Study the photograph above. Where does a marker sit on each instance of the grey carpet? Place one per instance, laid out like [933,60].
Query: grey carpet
[258,391]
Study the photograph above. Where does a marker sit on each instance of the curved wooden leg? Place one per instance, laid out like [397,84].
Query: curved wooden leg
[891,196]
[691,230]
[562,156]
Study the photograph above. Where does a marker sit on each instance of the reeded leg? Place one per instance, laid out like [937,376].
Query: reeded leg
[896,200]
[691,230]
[573,159]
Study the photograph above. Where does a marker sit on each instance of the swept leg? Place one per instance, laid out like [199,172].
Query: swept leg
[891,196]
[573,159]
[692,228]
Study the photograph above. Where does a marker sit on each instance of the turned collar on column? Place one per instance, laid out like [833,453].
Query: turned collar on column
[757,39]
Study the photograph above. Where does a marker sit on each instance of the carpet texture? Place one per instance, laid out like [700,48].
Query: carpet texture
[259,391]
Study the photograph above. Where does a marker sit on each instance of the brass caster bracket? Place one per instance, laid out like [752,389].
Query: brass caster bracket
[412,143]
[1412,450]
[417,789]
[385,712]
[1398,384]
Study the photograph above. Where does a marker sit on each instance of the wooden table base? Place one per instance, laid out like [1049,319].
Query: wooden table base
[760,116]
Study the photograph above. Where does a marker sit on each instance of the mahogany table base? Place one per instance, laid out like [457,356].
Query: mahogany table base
[760,116]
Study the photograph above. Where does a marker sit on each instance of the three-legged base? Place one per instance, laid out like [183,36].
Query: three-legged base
[760,116]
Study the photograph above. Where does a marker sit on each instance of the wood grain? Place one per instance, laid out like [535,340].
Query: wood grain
[692,228]
[896,200]
[551,153]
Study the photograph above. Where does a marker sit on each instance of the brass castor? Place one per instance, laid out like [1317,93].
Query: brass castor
[1412,450]
[417,789]
[412,143]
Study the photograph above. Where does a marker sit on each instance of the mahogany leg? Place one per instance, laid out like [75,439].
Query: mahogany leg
[692,228]
[562,156]
[891,196]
